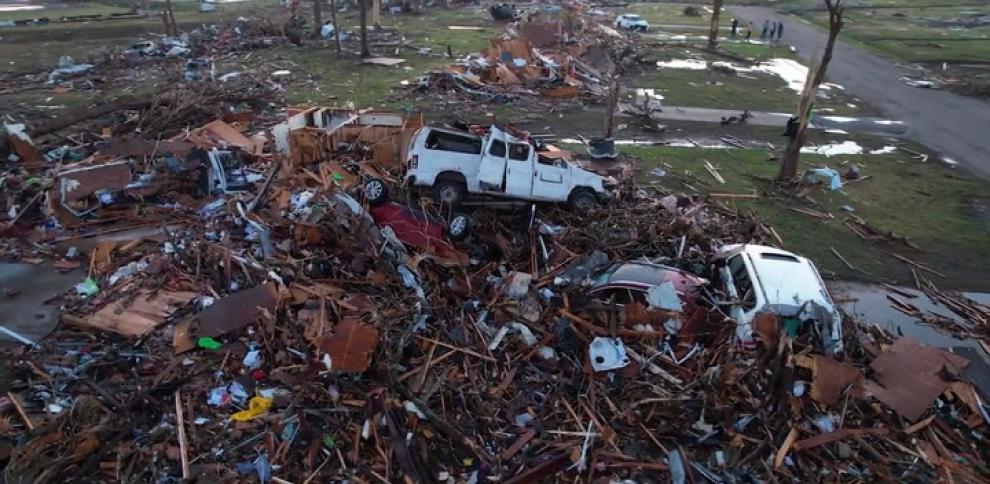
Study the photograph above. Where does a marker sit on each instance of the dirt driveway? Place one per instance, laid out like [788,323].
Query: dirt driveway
[955,126]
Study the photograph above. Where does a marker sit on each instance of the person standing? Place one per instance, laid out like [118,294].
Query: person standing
[773,30]
[735,27]
[780,30]
[766,28]
[749,30]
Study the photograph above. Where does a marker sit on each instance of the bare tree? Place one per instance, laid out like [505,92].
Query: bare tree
[168,18]
[364,28]
[816,74]
[317,18]
[713,29]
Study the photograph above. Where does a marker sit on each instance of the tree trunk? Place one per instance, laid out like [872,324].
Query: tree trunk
[364,28]
[789,164]
[713,29]
[336,26]
[168,17]
[376,13]
[613,102]
[318,18]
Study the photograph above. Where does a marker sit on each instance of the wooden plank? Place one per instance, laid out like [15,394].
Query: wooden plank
[518,445]
[792,436]
[20,411]
[836,436]
[921,424]
[181,426]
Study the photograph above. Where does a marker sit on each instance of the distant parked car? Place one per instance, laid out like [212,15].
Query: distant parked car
[631,21]
[759,279]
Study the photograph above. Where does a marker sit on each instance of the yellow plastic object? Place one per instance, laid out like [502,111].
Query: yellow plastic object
[256,407]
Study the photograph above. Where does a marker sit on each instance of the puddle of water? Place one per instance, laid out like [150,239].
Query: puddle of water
[20,8]
[843,148]
[675,143]
[791,71]
[869,303]
[884,150]
[690,64]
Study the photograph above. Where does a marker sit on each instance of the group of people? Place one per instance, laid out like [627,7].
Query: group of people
[772,31]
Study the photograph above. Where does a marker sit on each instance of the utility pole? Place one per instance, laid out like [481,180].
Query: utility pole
[713,29]
[816,74]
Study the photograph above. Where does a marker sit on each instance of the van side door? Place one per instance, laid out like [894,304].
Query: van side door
[494,158]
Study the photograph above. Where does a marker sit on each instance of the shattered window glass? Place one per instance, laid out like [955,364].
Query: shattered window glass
[740,278]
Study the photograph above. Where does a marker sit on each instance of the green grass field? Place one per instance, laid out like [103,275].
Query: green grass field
[923,35]
[926,202]
[756,91]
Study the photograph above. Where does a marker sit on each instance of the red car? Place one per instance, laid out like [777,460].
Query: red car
[628,282]
[415,227]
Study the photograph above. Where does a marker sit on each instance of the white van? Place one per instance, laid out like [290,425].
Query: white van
[455,164]
[760,279]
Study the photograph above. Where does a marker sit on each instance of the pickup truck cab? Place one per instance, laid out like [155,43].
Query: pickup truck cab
[455,164]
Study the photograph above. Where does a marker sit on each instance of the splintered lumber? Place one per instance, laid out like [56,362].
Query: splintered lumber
[734,195]
[714,172]
[917,264]
[836,436]
[843,259]
[785,447]
[20,411]
[180,424]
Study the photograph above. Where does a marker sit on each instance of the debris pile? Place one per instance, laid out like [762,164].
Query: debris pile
[558,54]
[244,313]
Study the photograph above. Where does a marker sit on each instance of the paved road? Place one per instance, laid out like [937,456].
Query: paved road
[956,127]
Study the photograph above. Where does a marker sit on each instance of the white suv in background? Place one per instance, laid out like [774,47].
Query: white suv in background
[760,279]
[631,21]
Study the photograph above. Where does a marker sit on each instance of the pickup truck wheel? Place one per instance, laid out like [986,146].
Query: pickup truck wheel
[376,192]
[450,192]
[581,201]
[459,227]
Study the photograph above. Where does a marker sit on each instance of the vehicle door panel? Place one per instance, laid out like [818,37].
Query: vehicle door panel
[551,180]
[519,171]
[492,170]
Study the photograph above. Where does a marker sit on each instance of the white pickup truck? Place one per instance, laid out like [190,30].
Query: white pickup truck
[455,164]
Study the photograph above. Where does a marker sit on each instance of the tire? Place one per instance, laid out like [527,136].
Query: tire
[582,201]
[459,227]
[449,192]
[375,192]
